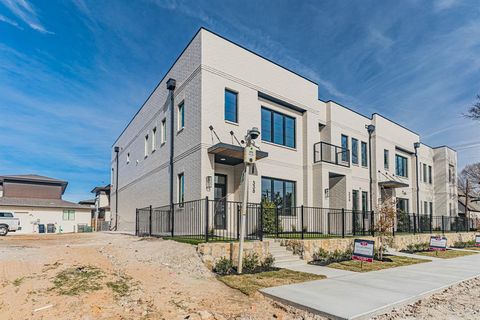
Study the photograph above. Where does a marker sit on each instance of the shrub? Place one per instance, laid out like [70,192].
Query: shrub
[224,266]
[267,264]
[323,257]
[250,263]
[270,219]
[464,244]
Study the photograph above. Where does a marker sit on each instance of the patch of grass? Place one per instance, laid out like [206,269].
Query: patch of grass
[52,266]
[389,262]
[17,282]
[448,254]
[251,283]
[77,280]
[120,287]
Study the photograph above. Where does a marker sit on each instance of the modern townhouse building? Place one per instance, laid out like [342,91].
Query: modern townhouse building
[185,143]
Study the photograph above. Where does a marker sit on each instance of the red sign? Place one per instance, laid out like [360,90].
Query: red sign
[363,250]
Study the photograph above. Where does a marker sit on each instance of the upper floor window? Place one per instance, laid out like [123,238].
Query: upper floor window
[128,158]
[181,116]
[425,172]
[386,159]
[68,215]
[401,166]
[145,145]
[154,139]
[280,192]
[231,106]
[354,151]
[451,174]
[164,131]
[430,179]
[344,148]
[364,154]
[278,128]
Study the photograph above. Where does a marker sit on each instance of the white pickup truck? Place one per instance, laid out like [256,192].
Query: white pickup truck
[8,223]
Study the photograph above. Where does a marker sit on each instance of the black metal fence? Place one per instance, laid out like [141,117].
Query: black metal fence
[219,220]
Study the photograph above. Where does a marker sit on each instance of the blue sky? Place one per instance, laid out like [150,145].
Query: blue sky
[73,73]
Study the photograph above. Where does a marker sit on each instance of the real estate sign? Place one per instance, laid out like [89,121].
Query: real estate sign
[438,243]
[363,250]
[477,240]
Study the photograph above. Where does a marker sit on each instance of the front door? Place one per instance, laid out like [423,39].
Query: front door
[220,194]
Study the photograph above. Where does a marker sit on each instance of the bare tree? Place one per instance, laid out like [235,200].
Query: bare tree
[385,223]
[474,111]
[469,184]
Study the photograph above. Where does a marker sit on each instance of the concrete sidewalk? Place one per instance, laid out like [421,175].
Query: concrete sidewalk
[362,295]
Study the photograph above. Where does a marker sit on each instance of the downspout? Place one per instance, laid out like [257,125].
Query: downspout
[171,84]
[116,149]
[416,145]
[371,129]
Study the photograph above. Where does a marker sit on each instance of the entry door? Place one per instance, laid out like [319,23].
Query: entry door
[220,194]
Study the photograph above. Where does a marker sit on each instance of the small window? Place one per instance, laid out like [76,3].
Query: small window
[164,131]
[354,151]
[154,139]
[128,158]
[401,166]
[425,173]
[364,154]
[430,179]
[181,116]
[425,207]
[68,215]
[344,148]
[386,160]
[181,188]
[364,201]
[146,146]
[231,106]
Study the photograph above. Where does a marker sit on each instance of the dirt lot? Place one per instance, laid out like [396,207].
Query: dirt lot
[113,276]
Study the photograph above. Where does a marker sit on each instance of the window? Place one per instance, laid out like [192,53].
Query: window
[344,141]
[231,106]
[354,151]
[451,174]
[364,201]
[181,188]
[278,128]
[280,192]
[154,139]
[146,146]
[68,215]
[401,166]
[6,215]
[450,209]
[164,131]
[355,200]
[386,162]
[113,176]
[430,179]
[425,207]
[364,154]
[181,116]
[425,172]
[402,205]
[128,158]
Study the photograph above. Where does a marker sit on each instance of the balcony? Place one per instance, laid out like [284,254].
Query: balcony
[330,153]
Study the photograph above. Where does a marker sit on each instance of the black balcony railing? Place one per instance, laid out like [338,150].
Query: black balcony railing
[330,153]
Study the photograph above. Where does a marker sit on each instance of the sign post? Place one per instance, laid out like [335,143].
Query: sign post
[363,250]
[438,243]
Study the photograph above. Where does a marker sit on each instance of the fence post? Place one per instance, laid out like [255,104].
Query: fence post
[261,221]
[277,222]
[301,221]
[443,224]
[343,222]
[431,223]
[150,222]
[414,223]
[172,212]
[136,222]
[206,218]
[372,223]
[393,225]
[353,222]
[238,221]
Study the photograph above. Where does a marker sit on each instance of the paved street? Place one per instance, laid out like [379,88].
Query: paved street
[361,295]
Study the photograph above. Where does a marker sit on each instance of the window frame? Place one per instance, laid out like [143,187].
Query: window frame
[425,173]
[354,150]
[397,172]
[285,211]
[181,116]
[181,188]
[272,126]
[235,93]
[364,156]
[68,213]
[145,145]
[386,159]
[430,171]
[154,139]
[344,147]
[163,137]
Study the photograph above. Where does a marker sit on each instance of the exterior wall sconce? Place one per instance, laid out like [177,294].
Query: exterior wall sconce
[209,183]
[327,192]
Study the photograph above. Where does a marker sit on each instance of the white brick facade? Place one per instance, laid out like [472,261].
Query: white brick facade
[209,65]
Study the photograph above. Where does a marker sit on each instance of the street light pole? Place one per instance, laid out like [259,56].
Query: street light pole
[249,157]
[370,129]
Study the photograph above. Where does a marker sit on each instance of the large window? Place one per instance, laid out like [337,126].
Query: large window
[355,200]
[231,106]
[425,173]
[364,154]
[402,205]
[344,148]
[386,159]
[354,151]
[280,192]
[278,128]
[401,166]
[181,116]
[364,201]
[181,188]
[68,215]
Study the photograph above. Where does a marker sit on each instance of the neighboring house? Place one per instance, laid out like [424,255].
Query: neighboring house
[37,202]
[473,206]
[313,152]
[101,215]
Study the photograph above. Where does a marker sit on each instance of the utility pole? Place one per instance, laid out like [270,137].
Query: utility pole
[249,157]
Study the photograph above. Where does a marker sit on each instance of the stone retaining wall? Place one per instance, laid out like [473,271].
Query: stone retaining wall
[307,248]
[210,253]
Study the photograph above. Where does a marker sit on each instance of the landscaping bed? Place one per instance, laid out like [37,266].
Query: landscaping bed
[387,262]
[423,249]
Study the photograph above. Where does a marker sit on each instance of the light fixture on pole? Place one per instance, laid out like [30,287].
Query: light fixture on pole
[249,157]
[370,129]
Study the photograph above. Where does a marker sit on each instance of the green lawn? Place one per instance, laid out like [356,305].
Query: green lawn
[251,283]
[448,254]
[389,262]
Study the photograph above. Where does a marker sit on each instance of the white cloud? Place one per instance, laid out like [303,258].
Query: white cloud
[440,5]
[23,10]
[10,22]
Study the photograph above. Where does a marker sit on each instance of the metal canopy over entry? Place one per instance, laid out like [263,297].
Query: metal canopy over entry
[393,184]
[230,154]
